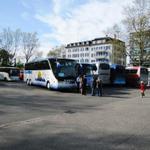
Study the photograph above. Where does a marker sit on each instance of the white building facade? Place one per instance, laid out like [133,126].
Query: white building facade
[105,49]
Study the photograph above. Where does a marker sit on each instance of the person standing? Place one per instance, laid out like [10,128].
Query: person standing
[84,90]
[78,83]
[93,85]
[99,86]
[142,88]
[81,84]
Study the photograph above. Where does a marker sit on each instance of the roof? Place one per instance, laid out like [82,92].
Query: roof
[134,67]
[42,59]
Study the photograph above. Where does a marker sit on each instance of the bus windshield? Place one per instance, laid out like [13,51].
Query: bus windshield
[88,68]
[104,66]
[14,72]
[63,69]
[85,69]
[120,69]
[10,70]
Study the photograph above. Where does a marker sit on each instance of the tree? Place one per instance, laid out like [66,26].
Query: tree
[6,38]
[114,31]
[137,22]
[118,46]
[4,58]
[17,41]
[10,41]
[52,53]
[30,43]
[19,64]
[56,52]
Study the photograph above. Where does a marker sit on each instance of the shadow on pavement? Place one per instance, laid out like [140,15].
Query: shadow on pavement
[75,141]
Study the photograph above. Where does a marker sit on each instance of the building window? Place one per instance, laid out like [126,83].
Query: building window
[81,60]
[82,55]
[86,48]
[81,49]
[107,47]
[86,60]
[69,56]
[75,55]
[102,60]
[86,54]
[92,60]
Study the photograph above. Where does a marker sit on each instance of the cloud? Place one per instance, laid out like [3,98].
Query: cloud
[25,4]
[70,21]
[25,15]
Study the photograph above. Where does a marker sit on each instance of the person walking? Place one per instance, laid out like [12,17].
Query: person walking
[93,85]
[84,85]
[99,86]
[78,84]
[81,84]
[142,88]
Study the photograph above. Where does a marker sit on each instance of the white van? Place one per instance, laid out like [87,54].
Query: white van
[4,76]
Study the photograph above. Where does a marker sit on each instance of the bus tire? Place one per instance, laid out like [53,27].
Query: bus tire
[27,82]
[30,82]
[48,85]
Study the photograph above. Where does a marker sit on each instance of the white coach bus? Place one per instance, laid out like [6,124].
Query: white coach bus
[10,73]
[54,73]
[103,70]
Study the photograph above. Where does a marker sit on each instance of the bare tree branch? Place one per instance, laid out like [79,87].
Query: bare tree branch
[29,44]
[138,24]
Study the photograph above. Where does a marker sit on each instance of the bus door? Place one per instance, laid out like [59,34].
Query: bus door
[144,75]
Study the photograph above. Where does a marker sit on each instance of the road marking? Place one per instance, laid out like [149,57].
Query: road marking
[25,122]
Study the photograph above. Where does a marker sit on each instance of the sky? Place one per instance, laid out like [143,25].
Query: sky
[59,22]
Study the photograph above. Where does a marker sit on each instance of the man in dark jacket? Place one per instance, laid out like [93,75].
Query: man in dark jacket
[99,86]
[94,85]
[84,85]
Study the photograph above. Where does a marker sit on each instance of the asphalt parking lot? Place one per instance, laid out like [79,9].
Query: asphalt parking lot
[34,118]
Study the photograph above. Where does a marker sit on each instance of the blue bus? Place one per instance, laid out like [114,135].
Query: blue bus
[117,74]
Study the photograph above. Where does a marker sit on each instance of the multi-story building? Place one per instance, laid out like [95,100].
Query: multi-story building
[106,49]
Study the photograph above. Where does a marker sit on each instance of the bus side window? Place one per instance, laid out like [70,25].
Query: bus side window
[45,65]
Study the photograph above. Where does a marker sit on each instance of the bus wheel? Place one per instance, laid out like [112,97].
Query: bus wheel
[30,83]
[48,85]
[27,81]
